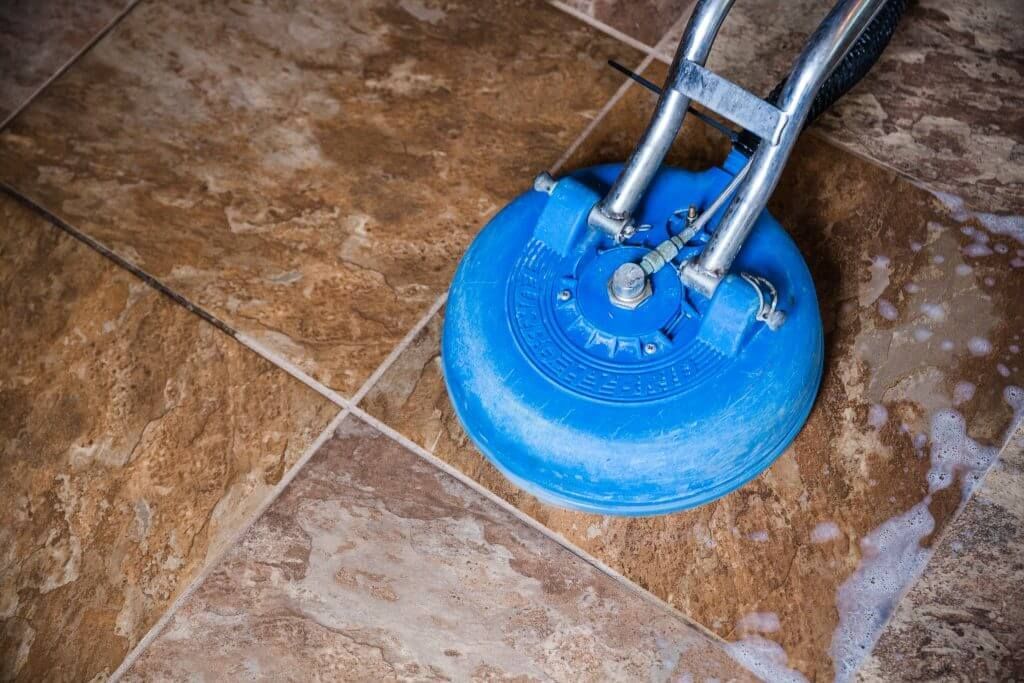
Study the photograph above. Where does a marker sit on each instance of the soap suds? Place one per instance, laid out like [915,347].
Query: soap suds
[922,334]
[825,532]
[758,536]
[887,310]
[761,622]
[766,658]
[934,311]
[963,392]
[979,346]
[878,415]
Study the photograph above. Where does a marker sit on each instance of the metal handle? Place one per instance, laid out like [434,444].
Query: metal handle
[825,48]
[613,213]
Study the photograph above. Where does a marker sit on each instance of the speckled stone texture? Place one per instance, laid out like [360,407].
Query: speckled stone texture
[309,175]
[964,618]
[38,37]
[134,440]
[375,565]
[923,317]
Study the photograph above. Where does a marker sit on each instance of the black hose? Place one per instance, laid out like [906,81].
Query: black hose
[854,66]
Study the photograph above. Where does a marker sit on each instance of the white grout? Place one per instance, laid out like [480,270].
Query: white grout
[476,486]
[229,546]
[397,351]
[291,368]
[74,58]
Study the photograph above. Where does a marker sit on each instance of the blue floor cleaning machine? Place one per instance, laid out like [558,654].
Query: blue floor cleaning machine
[635,339]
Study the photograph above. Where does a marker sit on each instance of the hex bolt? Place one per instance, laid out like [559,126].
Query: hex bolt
[564,295]
[650,348]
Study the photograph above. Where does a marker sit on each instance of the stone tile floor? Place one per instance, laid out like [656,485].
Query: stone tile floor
[216,311]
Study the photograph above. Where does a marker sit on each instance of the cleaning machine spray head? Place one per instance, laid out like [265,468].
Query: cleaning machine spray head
[613,352]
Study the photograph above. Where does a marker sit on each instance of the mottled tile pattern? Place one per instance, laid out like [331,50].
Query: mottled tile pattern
[38,37]
[923,320]
[375,565]
[642,20]
[310,176]
[964,619]
[134,439]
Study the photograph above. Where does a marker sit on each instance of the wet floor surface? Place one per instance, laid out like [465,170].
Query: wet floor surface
[226,240]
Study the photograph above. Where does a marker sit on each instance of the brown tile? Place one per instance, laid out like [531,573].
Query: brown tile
[642,20]
[375,565]
[964,619]
[942,105]
[812,554]
[38,37]
[134,440]
[310,177]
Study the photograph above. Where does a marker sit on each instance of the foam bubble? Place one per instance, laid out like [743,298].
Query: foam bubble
[990,282]
[877,415]
[979,346]
[934,311]
[758,536]
[963,269]
[963,392]
[922,334]
[977,250]
[947,345]
[1003,370]
[762,622]
[954,452]
[1000,248]
[938,259]
[1014,348]
[887,310]
[912,288]
[892,555]
[825,532]
[915,247]
[764,657]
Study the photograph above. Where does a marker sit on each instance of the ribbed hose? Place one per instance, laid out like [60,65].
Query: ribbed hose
[854,66]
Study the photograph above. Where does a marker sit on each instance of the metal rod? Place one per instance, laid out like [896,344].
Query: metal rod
[612,214]
[650,85]
[825,48]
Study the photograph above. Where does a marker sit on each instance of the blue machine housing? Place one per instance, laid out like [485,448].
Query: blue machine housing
[591,406]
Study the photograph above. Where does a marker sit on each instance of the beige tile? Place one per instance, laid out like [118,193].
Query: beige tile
[134,441]
[849,503]
[38,37]
[964,619]
[375,565]
[310,176]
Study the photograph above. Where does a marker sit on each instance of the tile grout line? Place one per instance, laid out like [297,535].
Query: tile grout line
[399,348]
[242,338]
[70,62]
[230,544]
[529,521]
[602,27]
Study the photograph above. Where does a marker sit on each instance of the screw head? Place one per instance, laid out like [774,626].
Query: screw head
[564,295]
[650,348]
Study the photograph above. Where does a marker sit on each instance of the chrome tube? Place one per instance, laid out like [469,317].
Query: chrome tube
[825,48]
[614,211]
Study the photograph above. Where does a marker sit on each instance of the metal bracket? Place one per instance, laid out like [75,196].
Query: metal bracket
[731,101]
